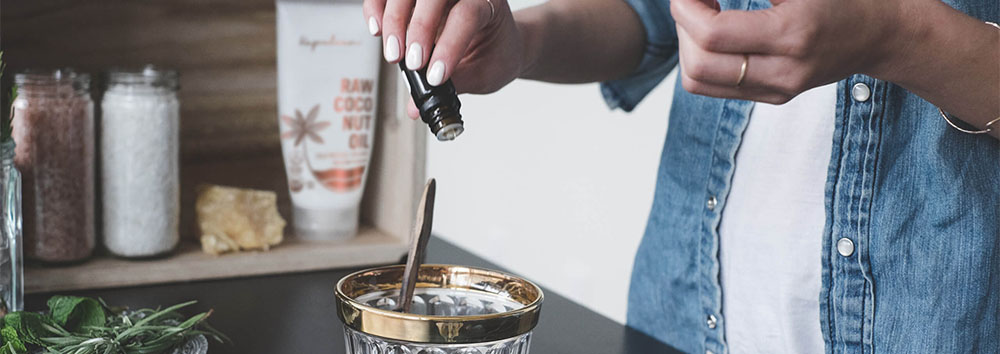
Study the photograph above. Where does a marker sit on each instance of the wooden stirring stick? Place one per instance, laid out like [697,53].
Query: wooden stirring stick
[418,245]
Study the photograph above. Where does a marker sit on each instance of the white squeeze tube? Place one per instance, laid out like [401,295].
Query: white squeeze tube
[328,67]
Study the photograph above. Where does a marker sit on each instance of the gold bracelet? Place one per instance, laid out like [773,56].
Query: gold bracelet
[989,125]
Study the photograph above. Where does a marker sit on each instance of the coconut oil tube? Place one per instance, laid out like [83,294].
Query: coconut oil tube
[328,67]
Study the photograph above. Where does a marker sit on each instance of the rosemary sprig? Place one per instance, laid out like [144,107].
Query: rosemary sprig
[73,328]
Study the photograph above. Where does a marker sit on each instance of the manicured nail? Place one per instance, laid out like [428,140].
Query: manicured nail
[436,73]
[392,48]
[372,25]
[414,56]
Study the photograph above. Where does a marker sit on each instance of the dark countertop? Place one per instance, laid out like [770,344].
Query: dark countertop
[295,313]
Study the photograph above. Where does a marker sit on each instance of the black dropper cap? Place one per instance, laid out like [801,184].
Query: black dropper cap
[438,105]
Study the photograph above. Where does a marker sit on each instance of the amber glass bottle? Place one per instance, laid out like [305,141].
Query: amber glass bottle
[438,105]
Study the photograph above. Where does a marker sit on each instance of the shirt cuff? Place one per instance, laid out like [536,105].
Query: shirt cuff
[659,57]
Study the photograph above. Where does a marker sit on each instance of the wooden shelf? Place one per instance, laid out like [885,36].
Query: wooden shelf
[226,53]
[188,263]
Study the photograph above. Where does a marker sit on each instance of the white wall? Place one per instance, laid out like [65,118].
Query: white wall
[549,183]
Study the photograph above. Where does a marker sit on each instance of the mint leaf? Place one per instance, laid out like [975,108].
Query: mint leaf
[74,313]
[30,326]
[11,343]
[61,307]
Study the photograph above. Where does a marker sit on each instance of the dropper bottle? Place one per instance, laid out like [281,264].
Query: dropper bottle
[438,105]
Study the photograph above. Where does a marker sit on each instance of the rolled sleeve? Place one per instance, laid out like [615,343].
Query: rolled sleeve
[658,59]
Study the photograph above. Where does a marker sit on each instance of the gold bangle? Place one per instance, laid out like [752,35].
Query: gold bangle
[989,125]
[493,10]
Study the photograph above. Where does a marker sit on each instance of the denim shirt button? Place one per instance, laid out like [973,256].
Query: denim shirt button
[845,247]
[711,203]
[861,92]
[711,322]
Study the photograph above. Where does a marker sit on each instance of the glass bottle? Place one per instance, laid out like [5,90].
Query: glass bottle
[140,180]
[11,262]
[54,132]
[438,105]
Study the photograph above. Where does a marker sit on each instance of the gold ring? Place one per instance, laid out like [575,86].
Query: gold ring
[743,70]
[493,9]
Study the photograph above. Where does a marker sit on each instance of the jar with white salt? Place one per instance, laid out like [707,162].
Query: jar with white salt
[140,125]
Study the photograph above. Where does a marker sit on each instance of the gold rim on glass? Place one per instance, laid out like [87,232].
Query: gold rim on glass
[439,329]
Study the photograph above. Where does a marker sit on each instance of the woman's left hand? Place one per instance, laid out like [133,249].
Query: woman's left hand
[791,47]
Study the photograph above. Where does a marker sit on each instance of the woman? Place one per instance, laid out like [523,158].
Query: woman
[811,196]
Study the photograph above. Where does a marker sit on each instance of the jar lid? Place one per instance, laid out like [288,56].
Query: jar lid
[58,77]
[149,75]
[438,329]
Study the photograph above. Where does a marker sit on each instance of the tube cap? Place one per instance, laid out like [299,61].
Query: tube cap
[325,224]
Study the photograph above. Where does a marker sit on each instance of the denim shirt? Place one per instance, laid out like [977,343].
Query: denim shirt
[911,247]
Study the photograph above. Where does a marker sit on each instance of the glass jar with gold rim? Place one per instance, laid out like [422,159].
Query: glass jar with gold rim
[456,310]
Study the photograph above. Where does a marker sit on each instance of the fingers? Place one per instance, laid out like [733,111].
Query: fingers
[411,109]
[465,19]
[730,91]
[713,4]
[431,34]
[373,10]
[724,68]
[422,30]
[708,67]
[394,22]
[767,78]
[757,31]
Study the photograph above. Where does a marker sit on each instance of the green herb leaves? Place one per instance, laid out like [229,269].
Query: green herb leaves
[6,109]
[28,325]
[75,313]
[11,343]
[81,325]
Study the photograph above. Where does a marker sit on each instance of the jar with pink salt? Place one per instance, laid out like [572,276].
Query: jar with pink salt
[54,132]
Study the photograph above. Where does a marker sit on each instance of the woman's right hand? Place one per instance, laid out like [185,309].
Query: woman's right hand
[475,42]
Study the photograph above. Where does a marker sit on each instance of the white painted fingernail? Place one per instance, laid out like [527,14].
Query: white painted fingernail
[436,73]
[414,56]
[372,25]
[392,48]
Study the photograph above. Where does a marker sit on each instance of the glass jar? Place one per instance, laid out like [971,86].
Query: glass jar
[361,343]
[54,132]
[11,262]
[456,310]
[140,180]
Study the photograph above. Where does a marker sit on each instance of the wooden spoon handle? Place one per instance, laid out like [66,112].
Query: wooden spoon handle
[418,245]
